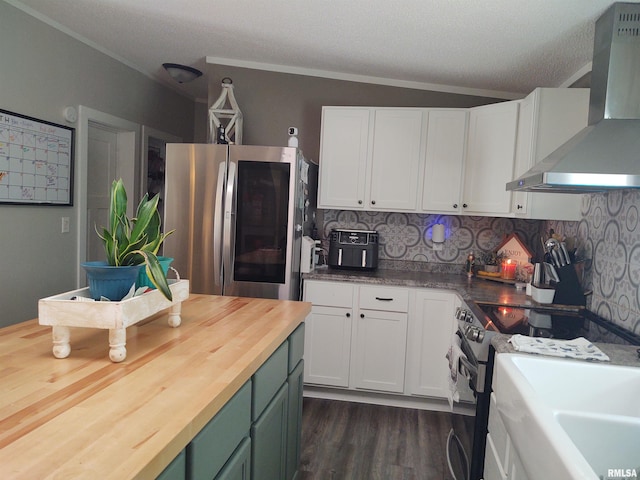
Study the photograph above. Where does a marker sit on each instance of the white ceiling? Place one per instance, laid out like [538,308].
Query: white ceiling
[501,48]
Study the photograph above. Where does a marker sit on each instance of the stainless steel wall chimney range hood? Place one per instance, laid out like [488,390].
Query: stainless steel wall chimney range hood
[606,154]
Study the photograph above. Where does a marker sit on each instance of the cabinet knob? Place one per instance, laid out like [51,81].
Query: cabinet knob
[348,315]
[464,205]
[455,205]
[373,202]
[519,207]
[359,202]
[362,315]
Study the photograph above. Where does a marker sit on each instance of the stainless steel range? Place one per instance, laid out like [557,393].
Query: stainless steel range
[479,322]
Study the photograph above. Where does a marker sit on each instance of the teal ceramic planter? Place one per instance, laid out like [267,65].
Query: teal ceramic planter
[108,281]
[143,278]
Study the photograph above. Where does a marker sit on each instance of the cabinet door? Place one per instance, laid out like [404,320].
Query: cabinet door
[239,465]
[444,158]
[343,158]
[379,350]
[269,439]
[548,118]
[524,148]
[327,346]
[490,157]
[294,422]
[395,159]
[432,325]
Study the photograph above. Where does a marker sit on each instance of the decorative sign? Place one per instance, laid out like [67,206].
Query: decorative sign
[514,248]
[36,161]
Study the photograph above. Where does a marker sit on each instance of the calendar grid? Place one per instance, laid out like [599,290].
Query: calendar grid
[35,161]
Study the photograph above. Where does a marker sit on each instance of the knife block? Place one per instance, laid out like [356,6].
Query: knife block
[568,290]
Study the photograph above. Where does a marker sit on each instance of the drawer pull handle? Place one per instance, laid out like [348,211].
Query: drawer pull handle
[383,299]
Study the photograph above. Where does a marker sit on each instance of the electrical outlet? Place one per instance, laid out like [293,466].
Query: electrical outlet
[64,225]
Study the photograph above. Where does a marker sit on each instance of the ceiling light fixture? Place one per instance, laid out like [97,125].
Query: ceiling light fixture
[182,73]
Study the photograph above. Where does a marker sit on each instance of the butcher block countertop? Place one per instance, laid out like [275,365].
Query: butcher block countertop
[87,417]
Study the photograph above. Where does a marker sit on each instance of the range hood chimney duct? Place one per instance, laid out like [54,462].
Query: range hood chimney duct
[606,154]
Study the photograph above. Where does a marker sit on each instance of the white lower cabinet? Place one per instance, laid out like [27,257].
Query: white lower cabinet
[327,339]
[378,338]
[501,460]
[430,332]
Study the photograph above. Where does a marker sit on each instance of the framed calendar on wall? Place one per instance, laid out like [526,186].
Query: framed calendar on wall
[36,161]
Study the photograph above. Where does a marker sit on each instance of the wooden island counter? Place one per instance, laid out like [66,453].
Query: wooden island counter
[86,417]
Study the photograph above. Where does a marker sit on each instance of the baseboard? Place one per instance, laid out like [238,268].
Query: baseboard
[388,399]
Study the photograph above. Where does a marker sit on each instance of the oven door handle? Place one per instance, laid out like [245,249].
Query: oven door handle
[471,368]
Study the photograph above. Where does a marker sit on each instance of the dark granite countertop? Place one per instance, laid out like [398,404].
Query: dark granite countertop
[471,290]
[626,355]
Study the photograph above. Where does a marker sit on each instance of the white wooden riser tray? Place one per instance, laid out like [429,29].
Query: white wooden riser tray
[61,313]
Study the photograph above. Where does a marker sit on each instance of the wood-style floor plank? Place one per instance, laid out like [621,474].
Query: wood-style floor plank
[356,441]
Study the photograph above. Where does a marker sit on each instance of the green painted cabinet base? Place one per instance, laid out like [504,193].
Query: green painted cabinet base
[294,420]
[257,434]
[212,447]
[239,465]
[176,470]
[269,437]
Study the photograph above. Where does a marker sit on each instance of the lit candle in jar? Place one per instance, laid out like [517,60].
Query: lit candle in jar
[509,269]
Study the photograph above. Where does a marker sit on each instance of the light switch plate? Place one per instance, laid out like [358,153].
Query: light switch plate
[64,225]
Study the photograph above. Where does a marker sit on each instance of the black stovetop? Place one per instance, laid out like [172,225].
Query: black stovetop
[555,323]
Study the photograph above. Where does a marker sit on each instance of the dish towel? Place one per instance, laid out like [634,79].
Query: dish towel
[453,355]
[579,348]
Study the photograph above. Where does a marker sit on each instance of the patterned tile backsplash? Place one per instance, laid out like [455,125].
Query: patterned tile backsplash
[607,237]
[407,236]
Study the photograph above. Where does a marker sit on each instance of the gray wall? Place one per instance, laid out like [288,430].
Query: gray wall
[45,70]
[42,70]
[271,101]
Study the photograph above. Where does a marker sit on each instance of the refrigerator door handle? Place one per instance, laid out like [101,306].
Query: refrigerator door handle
[229,227]
[217,221]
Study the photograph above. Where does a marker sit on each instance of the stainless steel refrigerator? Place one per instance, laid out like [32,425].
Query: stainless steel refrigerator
[239,213]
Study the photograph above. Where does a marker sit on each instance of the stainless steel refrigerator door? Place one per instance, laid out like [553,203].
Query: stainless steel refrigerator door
[194,189]
[261,232]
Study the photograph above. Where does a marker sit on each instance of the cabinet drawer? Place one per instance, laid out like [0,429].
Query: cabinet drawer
[384,298]
[213,445]
[296,347]
[268,379]
[329,293]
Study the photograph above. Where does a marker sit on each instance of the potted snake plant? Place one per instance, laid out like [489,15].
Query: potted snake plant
[129,244]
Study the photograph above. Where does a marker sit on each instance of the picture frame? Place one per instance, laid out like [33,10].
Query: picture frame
[36,161]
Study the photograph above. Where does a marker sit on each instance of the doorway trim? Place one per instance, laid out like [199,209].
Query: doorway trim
[128,147]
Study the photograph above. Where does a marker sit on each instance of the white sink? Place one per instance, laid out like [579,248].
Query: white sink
[570,419]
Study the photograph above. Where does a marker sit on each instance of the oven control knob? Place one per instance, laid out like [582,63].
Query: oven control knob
[458,313]
[465,316]
[474,334]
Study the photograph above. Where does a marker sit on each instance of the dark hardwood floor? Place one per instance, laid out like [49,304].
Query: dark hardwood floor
[356,441]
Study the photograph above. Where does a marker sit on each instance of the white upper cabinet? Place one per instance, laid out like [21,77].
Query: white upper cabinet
[444,160]
[370,158]
[548,118]
[344,153]
[490,157]
[395,159]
